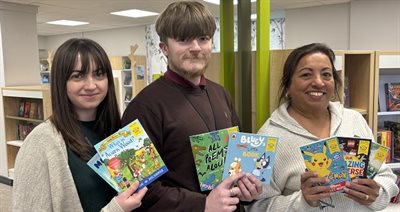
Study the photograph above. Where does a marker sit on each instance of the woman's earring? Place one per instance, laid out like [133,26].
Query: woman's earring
[287,96]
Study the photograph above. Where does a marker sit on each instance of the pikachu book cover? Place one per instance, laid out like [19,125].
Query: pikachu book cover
[326,158]
[130,156]
[251,153]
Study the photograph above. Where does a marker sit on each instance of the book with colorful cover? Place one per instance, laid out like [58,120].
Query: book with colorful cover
[356,153]
[326,158]
[130,156]
[97,164]
[209,152]
[250,153]
[392,93]
[377,157]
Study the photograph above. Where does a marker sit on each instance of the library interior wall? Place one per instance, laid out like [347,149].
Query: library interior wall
[325,24]
[116,42]
[19,53]
[375,25]
[359,25]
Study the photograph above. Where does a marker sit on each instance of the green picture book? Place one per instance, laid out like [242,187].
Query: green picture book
[209,152]
[129,156]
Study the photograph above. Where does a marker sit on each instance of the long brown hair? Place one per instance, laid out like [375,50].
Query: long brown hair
[64,116]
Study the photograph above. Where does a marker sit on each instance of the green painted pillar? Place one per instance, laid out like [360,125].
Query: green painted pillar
[262,71]
[244,64]
[227,55]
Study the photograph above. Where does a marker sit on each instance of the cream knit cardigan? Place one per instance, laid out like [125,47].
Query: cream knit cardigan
[42,177]
[284,192]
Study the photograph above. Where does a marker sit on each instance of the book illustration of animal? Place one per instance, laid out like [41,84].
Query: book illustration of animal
[319,162]
[235,167]
[261,166]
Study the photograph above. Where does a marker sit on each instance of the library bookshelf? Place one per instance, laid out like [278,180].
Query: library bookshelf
[20,119]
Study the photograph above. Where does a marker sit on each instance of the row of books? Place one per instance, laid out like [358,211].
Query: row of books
[390,137]
[341,159]
[128,155]
[23,129]
[30,109]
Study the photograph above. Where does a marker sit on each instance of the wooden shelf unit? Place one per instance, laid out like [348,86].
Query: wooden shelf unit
[357,66]
[12,97]
[387,69]
[130,82]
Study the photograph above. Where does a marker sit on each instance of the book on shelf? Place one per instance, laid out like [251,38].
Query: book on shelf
[356,153]
[250,153]
[33,110]
[392,94]
[209,151]
[21,109]
[39,111]
[130,156]
[377,157]
[394,144]
[23,130]
[385,138]
[325,158]
[27,108]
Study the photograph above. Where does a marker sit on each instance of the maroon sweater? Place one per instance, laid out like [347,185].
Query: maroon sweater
[171,110]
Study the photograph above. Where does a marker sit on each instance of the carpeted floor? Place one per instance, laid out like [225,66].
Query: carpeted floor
[5,197]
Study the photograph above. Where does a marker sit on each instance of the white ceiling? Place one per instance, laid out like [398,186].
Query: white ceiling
[97,12]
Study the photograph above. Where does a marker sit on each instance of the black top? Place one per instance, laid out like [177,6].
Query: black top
[94,193]
[170,113]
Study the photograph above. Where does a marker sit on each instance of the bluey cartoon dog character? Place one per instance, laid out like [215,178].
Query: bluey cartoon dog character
[262,164]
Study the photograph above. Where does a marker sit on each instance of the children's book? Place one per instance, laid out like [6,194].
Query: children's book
[97,164]
[130,156]
[377,157]
[250,153]
[326,158]
[356,153]
[209,152]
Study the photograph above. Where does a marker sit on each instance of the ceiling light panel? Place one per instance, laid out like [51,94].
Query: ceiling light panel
[67,22]
[134,13]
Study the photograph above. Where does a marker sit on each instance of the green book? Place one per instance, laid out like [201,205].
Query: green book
[209,152]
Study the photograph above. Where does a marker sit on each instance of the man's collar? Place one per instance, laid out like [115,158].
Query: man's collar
[171,75]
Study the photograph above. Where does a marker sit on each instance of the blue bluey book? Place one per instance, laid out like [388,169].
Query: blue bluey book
[326,158]
[250,153]
[130,156]
[97,164]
